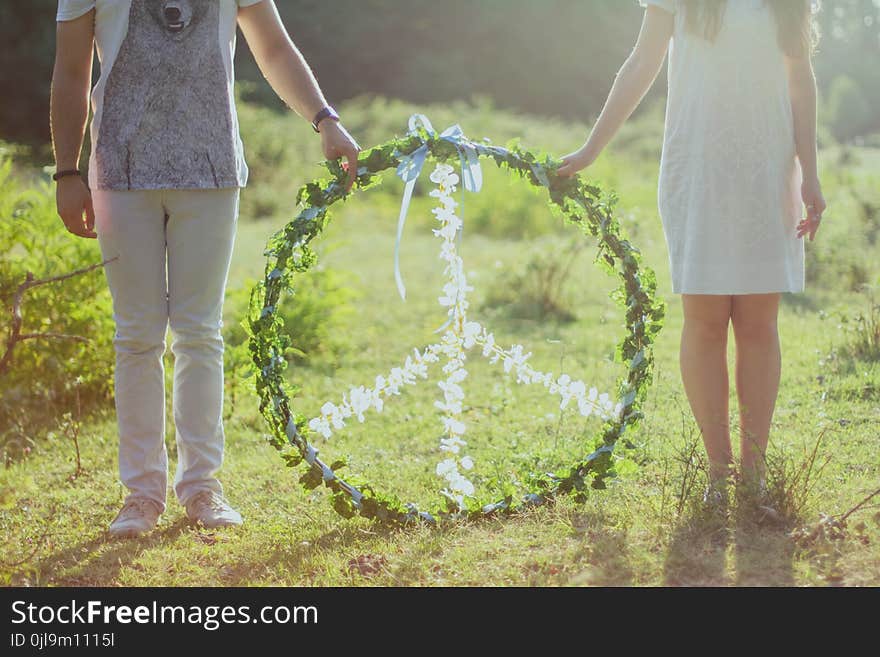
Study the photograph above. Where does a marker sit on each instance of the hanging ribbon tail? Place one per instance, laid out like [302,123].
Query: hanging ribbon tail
[471,176]
[401,221]
[408,171]
[471,173]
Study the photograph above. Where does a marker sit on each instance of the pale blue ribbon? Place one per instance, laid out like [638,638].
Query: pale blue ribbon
[411,168]
[311,457]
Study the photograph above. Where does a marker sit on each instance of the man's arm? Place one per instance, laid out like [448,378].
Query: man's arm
[287,72]
[69,112]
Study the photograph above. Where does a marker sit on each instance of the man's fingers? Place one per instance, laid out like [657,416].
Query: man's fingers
[82,232]
[76,226]
[352,158]
[90,214]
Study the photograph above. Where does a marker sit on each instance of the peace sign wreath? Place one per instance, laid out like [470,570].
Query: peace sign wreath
[289,253]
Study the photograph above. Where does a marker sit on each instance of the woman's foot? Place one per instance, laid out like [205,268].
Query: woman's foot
[716,496]
[755,497]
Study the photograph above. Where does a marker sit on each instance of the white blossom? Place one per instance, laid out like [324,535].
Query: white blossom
[445,467]
[320,425]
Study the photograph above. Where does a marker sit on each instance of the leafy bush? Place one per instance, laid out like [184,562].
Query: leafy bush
[841,258]
[46,375]
[539,289]
[279,146]
[848,112]
[862,329]
[316,318]
[867,198]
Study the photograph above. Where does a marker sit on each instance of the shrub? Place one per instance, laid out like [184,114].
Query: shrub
[316,318]
[862,329]
[279,148]
[848,113]
[45,376]
[538,290]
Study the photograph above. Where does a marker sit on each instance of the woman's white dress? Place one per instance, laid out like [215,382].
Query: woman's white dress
[730,181]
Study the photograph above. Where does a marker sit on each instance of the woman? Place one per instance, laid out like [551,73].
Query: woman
[739,162]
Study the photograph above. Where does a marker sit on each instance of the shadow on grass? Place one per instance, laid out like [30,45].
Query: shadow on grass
[308,557]
[763,552]
[97,561]
[605,549]
[698,552]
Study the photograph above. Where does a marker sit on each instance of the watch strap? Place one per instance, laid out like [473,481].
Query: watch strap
[326,113]
[58,175]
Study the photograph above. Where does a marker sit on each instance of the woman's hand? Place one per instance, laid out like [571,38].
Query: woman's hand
[74,204]
[338,143]
[814,202]
[575,162]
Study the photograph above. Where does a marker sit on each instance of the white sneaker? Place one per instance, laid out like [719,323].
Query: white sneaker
[137,516]
[211,510]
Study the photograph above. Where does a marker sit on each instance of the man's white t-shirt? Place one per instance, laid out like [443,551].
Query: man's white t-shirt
[164,108]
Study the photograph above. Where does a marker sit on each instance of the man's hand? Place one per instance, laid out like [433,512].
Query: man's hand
[338,143]
[74,203]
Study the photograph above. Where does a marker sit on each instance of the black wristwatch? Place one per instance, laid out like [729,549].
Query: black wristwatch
[58,175]
[326,113]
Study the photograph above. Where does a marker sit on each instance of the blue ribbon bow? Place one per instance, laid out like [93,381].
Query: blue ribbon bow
[410,169]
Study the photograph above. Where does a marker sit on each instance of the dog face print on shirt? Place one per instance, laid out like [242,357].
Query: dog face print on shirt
[167,113]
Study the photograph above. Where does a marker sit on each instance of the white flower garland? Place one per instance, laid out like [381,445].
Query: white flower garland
[460,336]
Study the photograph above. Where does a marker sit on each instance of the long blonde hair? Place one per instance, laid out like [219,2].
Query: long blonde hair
[795,27]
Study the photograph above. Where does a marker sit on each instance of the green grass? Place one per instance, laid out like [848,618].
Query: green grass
[646,529]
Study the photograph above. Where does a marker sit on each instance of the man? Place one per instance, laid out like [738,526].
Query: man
[164,178]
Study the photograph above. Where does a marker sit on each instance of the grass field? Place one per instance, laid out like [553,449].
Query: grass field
[646,529]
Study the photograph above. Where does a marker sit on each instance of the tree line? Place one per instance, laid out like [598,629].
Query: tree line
[546,57]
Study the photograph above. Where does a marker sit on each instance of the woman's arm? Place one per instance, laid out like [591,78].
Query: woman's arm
[802,89]
[632,83]
[69,112]
[287,72]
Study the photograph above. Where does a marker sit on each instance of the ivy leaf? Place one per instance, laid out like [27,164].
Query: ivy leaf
[344,505]
[312,478]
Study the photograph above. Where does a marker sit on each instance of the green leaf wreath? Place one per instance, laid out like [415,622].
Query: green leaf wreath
[289,253]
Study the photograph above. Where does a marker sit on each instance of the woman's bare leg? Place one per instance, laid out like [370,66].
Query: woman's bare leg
[703,361]
[758,370]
